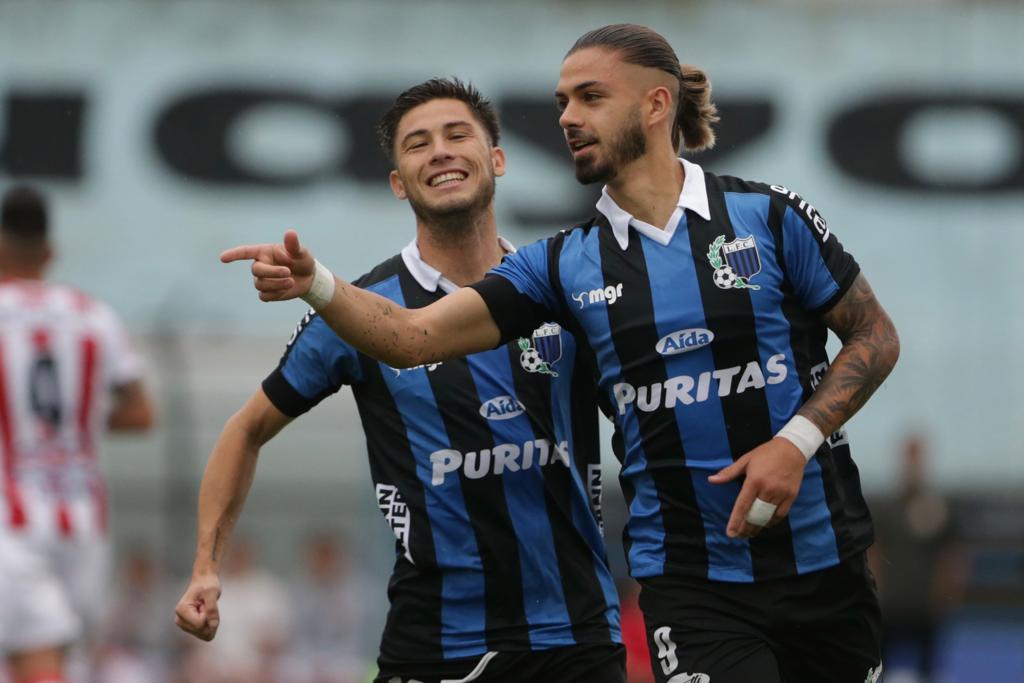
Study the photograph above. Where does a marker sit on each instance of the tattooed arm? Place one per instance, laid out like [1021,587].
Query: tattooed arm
[870,349]
[774,470]
[222,494]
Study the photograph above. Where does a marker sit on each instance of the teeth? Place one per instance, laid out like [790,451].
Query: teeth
[446,178]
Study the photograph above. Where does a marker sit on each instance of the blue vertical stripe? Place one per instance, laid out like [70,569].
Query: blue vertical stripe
[462,590]
[676,296]
[581,259]
[814,541]
[546,611]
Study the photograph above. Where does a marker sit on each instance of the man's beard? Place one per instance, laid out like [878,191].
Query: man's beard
[629,145]
[457,218]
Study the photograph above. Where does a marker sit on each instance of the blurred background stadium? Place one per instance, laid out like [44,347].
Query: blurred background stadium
[166,131]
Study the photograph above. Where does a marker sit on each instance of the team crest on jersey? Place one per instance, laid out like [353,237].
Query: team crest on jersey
[734,262]
[542,350]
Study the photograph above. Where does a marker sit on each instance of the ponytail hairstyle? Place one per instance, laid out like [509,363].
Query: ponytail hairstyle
[695,112]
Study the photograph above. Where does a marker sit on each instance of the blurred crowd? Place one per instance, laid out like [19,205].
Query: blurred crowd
[313,627]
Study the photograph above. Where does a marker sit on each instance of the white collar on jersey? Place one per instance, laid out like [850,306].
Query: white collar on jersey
[429,277]
[694,196]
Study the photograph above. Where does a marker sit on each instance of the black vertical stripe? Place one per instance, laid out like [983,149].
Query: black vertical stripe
[581,588]
[413,591]
[805,334]
[468,431]
[730,315]
[635,336]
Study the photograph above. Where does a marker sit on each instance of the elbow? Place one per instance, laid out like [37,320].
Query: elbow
[888,347]
[894,345]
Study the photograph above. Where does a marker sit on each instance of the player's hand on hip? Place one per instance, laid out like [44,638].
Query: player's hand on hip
[197,612]
[773,472]
[280,271]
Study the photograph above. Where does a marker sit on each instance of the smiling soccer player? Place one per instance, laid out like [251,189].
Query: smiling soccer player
[486,467]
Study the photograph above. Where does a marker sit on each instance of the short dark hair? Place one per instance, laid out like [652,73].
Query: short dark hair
[646,47]
[436,89]
[23,215]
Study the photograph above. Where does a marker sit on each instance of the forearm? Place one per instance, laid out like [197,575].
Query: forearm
[226,482]
[377,326]
[857,371]
[870,349]
[457,325]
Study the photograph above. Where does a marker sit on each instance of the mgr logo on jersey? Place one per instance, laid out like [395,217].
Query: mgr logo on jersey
[734,262]
[542,350]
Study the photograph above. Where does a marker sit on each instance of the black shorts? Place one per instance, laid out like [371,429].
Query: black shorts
[822,627]
[604,663]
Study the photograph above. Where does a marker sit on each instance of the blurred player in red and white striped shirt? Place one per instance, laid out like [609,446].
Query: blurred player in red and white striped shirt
[68,372]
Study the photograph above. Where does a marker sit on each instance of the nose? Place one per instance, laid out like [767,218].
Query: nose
[441,152]
[569,117]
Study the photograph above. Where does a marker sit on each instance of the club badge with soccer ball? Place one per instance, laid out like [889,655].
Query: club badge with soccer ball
[734,262]
[542,350]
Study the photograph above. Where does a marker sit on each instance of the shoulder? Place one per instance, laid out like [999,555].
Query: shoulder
[583,229]
[382,272]
[785,197]
[573,236]
[776,191]
[734,185]
[313,336]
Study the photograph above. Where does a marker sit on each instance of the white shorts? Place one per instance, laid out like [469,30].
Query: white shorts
[50,591]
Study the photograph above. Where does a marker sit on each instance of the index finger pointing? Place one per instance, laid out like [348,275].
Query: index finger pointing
[245,251]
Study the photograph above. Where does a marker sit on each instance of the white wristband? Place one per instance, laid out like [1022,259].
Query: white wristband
[322,290]
[802,433]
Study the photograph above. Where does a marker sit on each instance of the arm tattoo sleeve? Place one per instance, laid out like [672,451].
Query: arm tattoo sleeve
[870,349]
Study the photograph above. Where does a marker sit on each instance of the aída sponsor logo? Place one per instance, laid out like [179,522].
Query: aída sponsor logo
[687,390]
[682,341]
[502,408]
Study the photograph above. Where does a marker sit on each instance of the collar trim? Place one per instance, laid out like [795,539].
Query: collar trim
[430,278]
[693,196]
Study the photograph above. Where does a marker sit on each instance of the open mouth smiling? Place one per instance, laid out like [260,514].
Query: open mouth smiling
[447,178]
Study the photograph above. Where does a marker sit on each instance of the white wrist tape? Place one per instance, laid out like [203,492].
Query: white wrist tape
[322,290]
[802,433]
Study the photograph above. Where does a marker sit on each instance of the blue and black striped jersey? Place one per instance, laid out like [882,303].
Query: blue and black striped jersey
[487,470]
[708,338]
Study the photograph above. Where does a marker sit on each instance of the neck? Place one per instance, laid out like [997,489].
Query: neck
[463,253]
[648,188]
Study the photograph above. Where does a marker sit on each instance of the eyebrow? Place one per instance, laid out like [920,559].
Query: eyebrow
[582,86]
[424,131]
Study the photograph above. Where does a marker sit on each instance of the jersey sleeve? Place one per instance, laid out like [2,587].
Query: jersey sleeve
[518,292]
[316,363]
[819,268]
[123,358]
